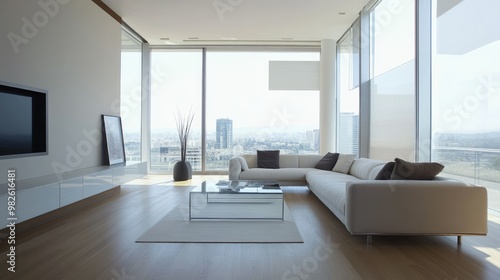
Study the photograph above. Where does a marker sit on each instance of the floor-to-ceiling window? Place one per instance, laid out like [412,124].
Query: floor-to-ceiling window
[348,91]
[131,96]
[460,118]
[392,78]
[245,115]
[466,92]
[176,86]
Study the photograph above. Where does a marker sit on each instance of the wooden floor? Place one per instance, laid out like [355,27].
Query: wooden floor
[98,242]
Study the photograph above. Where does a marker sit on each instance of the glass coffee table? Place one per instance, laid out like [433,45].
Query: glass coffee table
[237,200]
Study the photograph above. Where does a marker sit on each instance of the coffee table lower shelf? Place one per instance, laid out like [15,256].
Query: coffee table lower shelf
[236,206]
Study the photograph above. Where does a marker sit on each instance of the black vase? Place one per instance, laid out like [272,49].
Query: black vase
[183,171]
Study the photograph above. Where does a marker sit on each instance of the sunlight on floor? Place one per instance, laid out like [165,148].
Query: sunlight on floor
[492,253]
[494,217]
[154,179]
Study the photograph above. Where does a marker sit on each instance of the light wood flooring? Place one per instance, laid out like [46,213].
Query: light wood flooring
[98,242]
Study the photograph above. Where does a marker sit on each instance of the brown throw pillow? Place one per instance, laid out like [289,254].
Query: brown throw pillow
[268,159]
[328,161]
[404,170]
[386,171]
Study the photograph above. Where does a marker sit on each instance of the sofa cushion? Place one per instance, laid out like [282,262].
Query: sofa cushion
[344,163]
[362,168]
[386,171]
[282,174]
[328,161]
[268,159]
[330,186]
[405,170]
[333,193]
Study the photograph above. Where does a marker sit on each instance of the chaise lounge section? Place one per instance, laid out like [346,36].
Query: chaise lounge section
[366,206]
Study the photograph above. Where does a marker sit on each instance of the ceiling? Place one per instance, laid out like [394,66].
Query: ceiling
[237,22]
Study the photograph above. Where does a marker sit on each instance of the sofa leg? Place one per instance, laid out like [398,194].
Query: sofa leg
[459,239]
[369,239]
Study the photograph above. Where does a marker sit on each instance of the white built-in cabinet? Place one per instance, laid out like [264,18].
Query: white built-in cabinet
[36,201]
[38,196]
[71,191]
[97,183]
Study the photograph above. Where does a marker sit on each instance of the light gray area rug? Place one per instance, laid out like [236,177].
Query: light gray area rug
[175,227]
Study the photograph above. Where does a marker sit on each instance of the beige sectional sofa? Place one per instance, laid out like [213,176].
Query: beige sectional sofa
[379,207]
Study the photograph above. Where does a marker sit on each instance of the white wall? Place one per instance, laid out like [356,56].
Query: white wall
[72,50]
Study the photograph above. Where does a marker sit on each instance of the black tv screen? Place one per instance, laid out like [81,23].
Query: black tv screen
[23,121]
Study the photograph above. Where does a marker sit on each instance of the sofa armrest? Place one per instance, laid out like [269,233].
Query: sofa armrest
[416,207]
[236,165]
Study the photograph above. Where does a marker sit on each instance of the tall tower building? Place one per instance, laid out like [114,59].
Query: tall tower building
[224,134]
[313,138]
[349,133]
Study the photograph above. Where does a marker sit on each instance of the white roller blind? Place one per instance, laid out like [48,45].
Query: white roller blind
[294,75]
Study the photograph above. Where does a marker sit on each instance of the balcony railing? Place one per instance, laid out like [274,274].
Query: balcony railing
[473,165]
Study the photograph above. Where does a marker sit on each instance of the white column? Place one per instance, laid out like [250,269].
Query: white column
[327,98]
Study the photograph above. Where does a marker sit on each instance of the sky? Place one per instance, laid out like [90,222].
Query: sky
[237,88]
[466,86]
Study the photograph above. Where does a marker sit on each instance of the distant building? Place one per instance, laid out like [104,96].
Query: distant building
[349,133]
[313,138]
[224,134]
[193,155]
[238,149]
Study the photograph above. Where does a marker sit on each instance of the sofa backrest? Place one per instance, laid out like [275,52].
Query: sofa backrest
[289,161]
[251,160]
[286,161]
[365,168]
[309,161]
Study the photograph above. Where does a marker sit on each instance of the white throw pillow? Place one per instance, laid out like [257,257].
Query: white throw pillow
[344,163]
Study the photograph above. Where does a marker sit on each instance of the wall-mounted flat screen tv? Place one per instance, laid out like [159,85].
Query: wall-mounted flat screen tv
[23,121]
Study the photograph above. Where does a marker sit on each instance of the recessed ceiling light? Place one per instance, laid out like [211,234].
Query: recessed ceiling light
[342,13]
[193,38]
[165,39]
